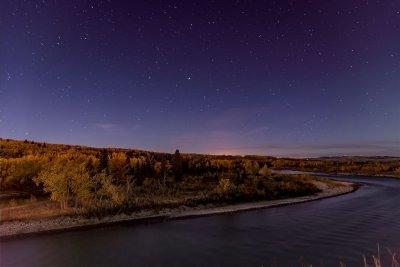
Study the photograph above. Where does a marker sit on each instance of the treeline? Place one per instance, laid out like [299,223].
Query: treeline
[22,161]
[365,166]
[113,180]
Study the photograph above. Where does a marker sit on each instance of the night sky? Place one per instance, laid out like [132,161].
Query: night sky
[286,78]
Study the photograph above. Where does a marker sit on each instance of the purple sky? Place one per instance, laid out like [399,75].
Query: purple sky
[293,78]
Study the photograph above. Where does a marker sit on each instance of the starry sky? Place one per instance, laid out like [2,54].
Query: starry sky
[285,78]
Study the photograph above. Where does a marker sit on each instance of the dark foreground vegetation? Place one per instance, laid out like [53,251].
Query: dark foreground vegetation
[100,182]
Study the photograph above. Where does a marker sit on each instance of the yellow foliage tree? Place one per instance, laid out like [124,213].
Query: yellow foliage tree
[65,181]
[224,188]
[109,190]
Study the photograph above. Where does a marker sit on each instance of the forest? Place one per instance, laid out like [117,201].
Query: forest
[102,181]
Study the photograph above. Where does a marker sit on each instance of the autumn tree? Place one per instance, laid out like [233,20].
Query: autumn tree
[65,181]
[129,173]
[116,167]
[18,173]
[251,167]
[265,171]
[225,189]
[115,194]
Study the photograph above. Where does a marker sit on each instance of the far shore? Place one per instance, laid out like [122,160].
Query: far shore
[329,174]
[394,176]
[11,229]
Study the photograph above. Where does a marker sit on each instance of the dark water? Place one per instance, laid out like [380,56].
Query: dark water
[320,233]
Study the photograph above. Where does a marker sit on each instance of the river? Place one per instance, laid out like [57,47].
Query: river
[320,233]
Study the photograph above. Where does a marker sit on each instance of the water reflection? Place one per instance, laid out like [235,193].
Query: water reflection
[320,232]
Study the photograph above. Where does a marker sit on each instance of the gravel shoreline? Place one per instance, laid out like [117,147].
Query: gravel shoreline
[28,227]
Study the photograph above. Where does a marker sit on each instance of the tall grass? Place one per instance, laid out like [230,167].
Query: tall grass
[377,262]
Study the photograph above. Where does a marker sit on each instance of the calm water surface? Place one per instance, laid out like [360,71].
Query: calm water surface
[320,233]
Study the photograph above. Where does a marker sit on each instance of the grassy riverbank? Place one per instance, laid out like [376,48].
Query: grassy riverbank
[61,223]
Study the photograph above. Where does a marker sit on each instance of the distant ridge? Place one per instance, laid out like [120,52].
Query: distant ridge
[359,158]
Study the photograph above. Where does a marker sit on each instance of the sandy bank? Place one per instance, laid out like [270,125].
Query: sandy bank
[19,228]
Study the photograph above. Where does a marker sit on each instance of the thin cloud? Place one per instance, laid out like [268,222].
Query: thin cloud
[106,126]
[134,128]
